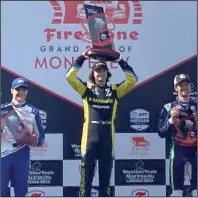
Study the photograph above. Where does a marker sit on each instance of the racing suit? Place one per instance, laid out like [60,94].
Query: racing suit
[15,160]
[183,137]
[97,142]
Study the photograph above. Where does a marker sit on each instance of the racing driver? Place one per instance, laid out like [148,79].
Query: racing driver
[100,102]
[178,122]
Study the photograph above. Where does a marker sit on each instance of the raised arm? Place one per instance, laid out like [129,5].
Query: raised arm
[72,78]
[128,84]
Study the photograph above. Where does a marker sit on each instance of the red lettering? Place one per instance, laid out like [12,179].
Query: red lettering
[49,33]
[133,35]
[66,34]
[66,61]
[91,62]
[112,66]
[40,64]
[51,62]
[56,62]
[120,35]
[78,35]
[59,35]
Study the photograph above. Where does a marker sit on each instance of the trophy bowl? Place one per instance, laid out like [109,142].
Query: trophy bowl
[103,54]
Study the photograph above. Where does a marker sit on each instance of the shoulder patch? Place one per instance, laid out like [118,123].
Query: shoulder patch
[33,108]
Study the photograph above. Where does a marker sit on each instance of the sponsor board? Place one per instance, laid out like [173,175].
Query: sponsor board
[140,191]
[140,172]
[52,148]
[42,191]
[48,173]
[139,146]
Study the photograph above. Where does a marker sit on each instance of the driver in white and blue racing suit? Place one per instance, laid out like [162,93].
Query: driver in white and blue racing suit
[15,158]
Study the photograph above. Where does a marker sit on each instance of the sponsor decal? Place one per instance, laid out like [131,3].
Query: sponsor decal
[37,174]
[140,193]
[140,146]
[43,118]
[76,150]
[35,193]
[39,151]
[139,174]
[139,119]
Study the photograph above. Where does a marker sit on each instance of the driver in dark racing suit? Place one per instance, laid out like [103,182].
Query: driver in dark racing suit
[178,122]
[100,103]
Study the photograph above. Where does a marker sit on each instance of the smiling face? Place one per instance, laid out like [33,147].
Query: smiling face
[19,94]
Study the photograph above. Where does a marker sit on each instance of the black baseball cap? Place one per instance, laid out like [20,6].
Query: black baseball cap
[180,78]
[99,65]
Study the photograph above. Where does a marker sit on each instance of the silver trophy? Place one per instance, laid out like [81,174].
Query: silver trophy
[12,121]
[103,46]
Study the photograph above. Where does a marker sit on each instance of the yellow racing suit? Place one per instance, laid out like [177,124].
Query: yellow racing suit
[97,143]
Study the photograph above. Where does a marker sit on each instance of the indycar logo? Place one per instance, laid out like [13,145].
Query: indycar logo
[139,119]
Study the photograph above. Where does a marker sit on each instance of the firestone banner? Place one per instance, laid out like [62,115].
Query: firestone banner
[49,35]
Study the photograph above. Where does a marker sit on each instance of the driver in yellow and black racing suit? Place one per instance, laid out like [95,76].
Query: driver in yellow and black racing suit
[100,103]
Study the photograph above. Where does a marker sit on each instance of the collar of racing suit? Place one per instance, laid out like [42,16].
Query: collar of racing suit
[18,105]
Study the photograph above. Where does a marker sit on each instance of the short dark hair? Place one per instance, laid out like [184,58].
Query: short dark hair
[92,79]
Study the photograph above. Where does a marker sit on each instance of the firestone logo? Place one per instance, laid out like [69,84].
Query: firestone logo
[72,12]
[35,193]
[140,193]
[69,29]
[139,143]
